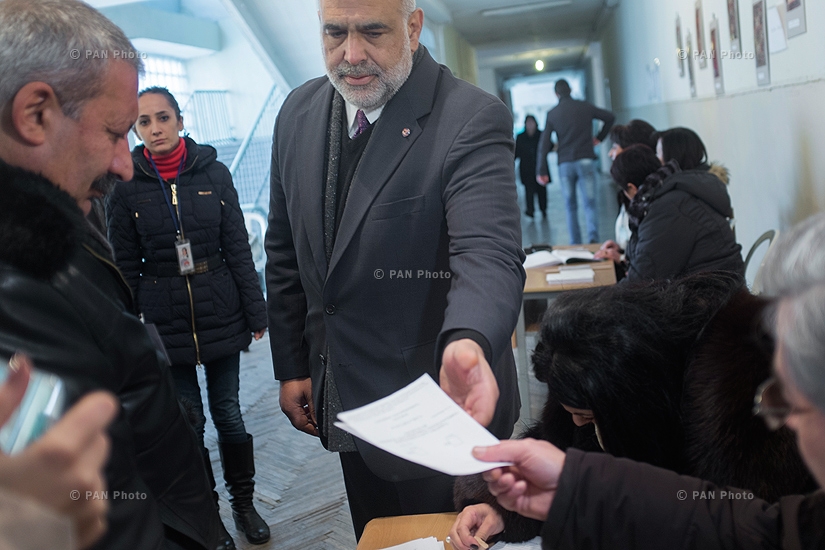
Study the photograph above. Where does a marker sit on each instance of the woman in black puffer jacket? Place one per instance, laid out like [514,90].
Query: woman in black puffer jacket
[678,218]
[179,238]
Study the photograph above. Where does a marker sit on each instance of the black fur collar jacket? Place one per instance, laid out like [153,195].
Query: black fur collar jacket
[65,304]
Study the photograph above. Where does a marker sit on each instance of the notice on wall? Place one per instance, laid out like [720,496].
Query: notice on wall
[776,29]
[795,20]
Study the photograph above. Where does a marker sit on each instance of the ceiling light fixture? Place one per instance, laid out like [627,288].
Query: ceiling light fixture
[539,65]
[524,8]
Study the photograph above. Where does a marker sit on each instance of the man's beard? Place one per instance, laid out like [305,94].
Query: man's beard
[379,91]
[105,184]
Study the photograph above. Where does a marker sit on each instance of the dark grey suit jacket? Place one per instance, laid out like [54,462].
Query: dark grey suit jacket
[429,242]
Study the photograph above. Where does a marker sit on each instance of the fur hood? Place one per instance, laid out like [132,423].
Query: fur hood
[720,171]
[41,226]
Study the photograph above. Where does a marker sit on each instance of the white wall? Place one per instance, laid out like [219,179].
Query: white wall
[237,69]
[766,136]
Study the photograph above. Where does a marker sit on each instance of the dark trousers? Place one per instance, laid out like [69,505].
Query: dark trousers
[532,190]
[372,497]
[222,385]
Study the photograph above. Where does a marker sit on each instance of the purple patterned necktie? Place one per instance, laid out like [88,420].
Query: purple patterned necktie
[363,123]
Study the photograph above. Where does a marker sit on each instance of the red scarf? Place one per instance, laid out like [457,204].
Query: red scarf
[168,164]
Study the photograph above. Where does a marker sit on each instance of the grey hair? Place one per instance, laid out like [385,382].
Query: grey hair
[65,43]
[407,7]
[796,260]
[800,328]
[795,272]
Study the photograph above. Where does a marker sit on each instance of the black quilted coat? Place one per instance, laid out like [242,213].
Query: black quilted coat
[204,316]
[63,302]
[682,228]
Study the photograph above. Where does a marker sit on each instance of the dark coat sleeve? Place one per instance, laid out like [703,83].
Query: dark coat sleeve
[521,143]
[607,117]
[545,146]
[484,230]
[605,502]
[124,237]
[286,299]
[236,252]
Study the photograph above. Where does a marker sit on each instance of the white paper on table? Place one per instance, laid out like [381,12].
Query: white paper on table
[422,424]
[567,254]
[545,258]
[541,258]
[583,274]
[430,543]
[533,544]
[777,41]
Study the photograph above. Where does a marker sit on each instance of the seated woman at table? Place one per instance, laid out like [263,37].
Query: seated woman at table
[678,218]
[661,372]
[623,136]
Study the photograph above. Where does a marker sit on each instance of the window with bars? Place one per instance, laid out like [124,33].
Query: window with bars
[169,73]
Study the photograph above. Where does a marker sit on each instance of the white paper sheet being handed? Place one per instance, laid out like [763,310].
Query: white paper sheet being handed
[420,423]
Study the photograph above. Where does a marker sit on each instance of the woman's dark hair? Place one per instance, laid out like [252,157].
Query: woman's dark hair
[684,146]
[531,117]
[160,90]
[635,131]
[634,165]
[621,351]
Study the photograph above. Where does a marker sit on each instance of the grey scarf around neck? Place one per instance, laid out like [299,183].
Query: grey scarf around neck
[337,439]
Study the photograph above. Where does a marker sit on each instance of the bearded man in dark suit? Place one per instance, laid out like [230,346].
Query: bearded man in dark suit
[394,246]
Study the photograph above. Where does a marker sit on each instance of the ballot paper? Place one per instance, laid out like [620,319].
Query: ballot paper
[430,543]
[422,424]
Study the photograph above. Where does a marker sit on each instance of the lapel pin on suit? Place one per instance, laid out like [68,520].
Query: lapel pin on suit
[406,132]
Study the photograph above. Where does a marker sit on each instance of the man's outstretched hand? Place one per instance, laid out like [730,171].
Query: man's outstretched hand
[466,376]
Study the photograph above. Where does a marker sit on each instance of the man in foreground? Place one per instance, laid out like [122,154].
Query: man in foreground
[68,97]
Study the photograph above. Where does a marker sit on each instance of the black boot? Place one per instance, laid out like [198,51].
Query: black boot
[238,471]
[225,541]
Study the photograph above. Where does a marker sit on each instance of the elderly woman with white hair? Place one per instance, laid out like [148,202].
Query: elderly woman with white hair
[597,501]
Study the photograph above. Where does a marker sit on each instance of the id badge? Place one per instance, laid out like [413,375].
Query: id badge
[186,264]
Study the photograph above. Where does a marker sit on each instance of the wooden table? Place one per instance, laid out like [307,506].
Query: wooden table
[383,532]
[536,288]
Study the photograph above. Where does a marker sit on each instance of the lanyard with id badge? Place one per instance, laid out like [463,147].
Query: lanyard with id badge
[183,247]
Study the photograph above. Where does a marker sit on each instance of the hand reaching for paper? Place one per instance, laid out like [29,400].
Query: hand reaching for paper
[529,485]
[467,378]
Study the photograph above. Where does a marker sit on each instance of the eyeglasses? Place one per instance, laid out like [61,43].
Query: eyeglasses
[770,405]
